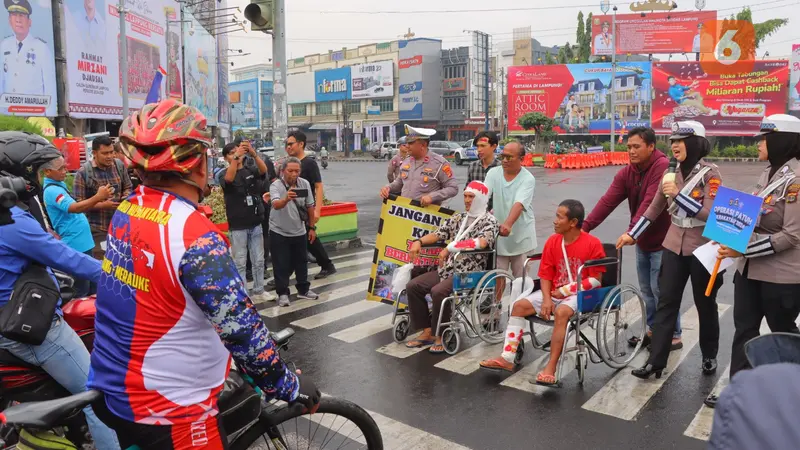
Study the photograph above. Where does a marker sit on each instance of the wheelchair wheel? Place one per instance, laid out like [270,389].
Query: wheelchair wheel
[487,312]
[622,316]
[401,329]
[451,340]
[520,353]
[581,363]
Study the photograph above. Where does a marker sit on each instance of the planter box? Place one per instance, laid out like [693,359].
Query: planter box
[338,222]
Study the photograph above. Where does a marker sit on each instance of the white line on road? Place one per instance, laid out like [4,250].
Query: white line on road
[400,350]
[325,297]
[351,263]
[364,330]
[624,395]
[333,315]
[466,362]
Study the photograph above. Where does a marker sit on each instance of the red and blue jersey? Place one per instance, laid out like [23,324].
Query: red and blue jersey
[171,311]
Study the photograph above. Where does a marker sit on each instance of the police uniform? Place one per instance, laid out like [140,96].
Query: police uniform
[393,171]
[767,282]
[689,211]
[431,175]
[27,65]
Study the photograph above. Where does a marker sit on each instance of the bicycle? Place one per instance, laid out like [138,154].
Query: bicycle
[248,419]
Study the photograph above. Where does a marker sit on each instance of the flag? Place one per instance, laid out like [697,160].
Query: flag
[155,90]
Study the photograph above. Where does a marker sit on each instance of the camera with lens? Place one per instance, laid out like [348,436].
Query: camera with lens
[11,189]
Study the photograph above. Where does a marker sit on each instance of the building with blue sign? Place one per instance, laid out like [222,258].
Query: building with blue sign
[251,100]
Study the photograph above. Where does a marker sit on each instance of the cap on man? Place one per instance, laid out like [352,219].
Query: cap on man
[28,65]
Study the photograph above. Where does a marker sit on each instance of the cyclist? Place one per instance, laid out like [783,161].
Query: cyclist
[171,306]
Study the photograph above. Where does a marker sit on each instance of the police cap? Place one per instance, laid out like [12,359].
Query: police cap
[18,6]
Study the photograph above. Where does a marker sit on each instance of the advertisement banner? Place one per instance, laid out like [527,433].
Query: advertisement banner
[200,52]
[727,105]
[175,64]
[332,84]
[794,82]
[28,79]
[245,112]
[578,96]
[402,221]
[300,88]
[223,105]
[733,218]
[373,80]
[672,32]
[420,73]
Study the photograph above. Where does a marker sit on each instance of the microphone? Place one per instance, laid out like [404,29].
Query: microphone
[670,175]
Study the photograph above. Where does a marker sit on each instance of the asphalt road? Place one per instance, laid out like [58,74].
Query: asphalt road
[424,401]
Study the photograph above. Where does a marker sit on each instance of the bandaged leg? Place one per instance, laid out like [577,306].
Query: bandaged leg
[522,307]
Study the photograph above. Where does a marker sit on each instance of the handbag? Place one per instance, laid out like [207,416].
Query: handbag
[29,312]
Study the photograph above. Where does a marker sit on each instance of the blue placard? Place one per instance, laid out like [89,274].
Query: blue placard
[332,84]
[733,218]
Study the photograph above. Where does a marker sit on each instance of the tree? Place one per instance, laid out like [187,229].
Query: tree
[588,37]
[584,38]
[568,53]
[580,34]
[542,127]
[238,133]
[763,29]
[549,58]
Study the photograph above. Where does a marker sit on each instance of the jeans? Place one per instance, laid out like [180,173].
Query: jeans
[65,358]
[252,239]
[648,266]
[85,288]
[289,255]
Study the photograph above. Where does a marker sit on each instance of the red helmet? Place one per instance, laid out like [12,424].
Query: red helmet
[167,136]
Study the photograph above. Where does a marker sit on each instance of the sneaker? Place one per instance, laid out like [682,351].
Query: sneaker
[263,297]
[324,273]
[283,300]
[309,295]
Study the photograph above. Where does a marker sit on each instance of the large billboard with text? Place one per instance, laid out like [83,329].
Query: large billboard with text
[200,51]
[673,32]
[245,106]
[372,80]
[727,105]
[794,79]
[419,71]
[577,96]
[332,85]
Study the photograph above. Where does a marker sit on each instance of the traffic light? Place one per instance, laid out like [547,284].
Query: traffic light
[259,13]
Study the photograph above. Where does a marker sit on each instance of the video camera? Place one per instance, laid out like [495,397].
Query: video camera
[11,189]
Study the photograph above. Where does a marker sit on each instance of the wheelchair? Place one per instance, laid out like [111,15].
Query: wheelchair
[615,311]
[469,289]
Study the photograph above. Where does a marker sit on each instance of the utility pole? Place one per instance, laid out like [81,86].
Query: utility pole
[613,94]
[486,80]
[61,72]
[123,56]
[280,109]
[502,102]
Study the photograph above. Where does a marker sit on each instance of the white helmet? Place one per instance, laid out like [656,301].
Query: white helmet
[687,128]
[779,123]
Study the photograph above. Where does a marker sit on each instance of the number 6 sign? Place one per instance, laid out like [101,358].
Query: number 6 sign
[727,47]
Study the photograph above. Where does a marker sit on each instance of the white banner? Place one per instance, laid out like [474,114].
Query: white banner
[200,51]
[794,79]
[300,88]
[372,80]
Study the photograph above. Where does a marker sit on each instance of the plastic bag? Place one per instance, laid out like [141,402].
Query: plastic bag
[401,277]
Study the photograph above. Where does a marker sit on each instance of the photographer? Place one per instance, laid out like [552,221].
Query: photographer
[242,187]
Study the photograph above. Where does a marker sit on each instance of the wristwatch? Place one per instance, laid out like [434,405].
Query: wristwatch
[313,228]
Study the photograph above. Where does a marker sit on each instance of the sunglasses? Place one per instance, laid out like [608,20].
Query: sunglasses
[507,157]
[289,144]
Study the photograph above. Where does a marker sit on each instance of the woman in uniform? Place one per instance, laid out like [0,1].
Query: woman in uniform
[767,281]
[689,199]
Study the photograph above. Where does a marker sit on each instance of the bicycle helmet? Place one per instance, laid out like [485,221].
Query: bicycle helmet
[167,136]
[22,154]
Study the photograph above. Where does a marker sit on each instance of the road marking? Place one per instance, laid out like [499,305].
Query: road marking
[315,271]
[624,395]
[333,315]
[399,350]
[466,362]
[700,428]
[363,252]
[297,305]
[365,329]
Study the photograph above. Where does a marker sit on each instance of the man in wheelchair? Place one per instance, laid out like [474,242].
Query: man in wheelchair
[472,230]
[564,252]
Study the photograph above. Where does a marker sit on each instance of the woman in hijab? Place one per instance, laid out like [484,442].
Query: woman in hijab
[767,280]
[474,229]
[688,197]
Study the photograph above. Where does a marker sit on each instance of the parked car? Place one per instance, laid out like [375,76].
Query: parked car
[445,148]
[471,149]
[269,151]
[385,150]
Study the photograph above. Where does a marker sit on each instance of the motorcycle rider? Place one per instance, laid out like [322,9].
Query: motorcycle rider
[323,154]
[24,242]
[171,306]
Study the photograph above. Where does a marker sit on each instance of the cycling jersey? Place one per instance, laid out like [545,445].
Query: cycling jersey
[171,311]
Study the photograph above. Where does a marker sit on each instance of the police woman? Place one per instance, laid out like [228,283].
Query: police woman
[767,280]
[688,199]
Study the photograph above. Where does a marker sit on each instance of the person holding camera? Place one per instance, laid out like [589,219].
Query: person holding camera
[242,188]
[290,227]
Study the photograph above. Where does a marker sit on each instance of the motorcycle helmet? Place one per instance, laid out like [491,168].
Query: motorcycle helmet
[22,154]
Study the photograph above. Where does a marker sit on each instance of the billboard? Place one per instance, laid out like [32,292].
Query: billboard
[577,96]
[175,60]
[245,113]
[200,51]
[28,79]
[727,105]
[672,32]
[419,71]
[300,88]
[223,105]
[332,84]
[266,104]
[523,54]
[794,79]
[372,80]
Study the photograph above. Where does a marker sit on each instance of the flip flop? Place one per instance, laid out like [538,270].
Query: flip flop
[417,343]
[494,364]
[437,349]
[541,380]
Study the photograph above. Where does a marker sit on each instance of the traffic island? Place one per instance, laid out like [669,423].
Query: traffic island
[337,227]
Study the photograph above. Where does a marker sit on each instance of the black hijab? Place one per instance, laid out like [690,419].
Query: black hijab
[696,148]
[781,147]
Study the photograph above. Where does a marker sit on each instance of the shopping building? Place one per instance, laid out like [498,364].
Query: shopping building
[251,101]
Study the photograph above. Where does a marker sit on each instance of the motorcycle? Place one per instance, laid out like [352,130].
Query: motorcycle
[324,162]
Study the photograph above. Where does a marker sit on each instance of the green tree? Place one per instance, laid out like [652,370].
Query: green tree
[549,58]
[568,53]
[763,29]
[542,127]
[587,38]
[238,133]
[15,123]
[583,38]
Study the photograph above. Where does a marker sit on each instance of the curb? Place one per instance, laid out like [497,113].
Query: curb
[359,160]
[343,245]
[744,160]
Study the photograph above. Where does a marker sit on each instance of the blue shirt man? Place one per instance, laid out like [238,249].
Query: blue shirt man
[676,91]
[73,228]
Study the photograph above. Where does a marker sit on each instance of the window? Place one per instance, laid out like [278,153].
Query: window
[618,83]
[299,110]
[352,106]
[386,104]
[324,109]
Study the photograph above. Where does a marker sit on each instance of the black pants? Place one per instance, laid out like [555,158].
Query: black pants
[417,289]
[676,270]
[265,229]
[289,255]
[755,300]
[318,250]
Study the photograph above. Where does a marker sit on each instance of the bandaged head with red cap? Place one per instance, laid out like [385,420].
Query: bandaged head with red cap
[481,200]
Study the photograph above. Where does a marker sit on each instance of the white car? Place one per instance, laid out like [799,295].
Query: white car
[385,150]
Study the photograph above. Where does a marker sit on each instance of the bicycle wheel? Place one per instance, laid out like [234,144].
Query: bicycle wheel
[337,424]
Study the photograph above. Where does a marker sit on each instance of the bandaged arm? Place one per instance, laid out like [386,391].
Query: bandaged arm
[467,245]
[572,288]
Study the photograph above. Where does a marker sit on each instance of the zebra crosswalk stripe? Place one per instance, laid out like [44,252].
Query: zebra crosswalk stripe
[349,263]
[298,305]
[364,329]
[399,350]
[333,315]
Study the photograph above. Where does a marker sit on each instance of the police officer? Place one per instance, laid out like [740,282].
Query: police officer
[393,171]
[767,281]
[27,62]
[688,199]
[424,176]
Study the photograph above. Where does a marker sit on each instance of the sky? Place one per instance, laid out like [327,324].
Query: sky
[315,26]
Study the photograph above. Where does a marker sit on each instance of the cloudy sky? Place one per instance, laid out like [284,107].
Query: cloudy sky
[316,26]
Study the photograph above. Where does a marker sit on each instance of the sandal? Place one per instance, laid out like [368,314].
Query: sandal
[436,349]
[543,379]
[418,343]
[498,364]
